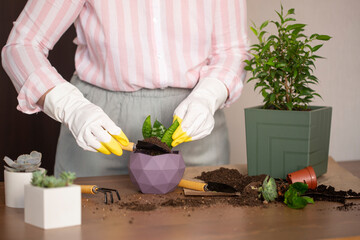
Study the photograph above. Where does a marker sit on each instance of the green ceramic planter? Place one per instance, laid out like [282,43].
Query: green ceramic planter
[280,142]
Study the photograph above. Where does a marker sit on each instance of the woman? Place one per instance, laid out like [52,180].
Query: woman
[168,59]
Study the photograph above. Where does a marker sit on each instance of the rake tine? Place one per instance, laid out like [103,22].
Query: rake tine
[109,190]
[106,199]
[111,196]
[118,195]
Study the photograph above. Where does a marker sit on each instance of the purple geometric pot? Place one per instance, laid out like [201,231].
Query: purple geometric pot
[156,174]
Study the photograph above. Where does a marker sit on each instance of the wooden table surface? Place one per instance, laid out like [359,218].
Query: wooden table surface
[276,221]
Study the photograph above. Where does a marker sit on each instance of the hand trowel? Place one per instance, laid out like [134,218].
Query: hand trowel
[141,146]
[208,188]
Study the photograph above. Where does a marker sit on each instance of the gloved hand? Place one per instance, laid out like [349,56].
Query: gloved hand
[196,113]
[91,127]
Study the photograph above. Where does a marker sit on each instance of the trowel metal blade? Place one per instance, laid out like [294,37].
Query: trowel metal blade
[220,187]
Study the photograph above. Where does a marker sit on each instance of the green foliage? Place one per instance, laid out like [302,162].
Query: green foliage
[293,198]
[282,64]
[159,130]
[147,129]
[167,138]
[40,179]
[268,189]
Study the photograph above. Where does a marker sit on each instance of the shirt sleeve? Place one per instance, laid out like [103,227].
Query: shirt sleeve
[24,57]
[229,47]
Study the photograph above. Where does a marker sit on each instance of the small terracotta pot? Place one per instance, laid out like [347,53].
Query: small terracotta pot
[306,175]
[156,174]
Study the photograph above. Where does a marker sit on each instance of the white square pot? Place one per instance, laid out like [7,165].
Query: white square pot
[53,207]
[14,183]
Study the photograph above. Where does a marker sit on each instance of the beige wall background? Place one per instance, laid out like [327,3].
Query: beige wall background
[338,74]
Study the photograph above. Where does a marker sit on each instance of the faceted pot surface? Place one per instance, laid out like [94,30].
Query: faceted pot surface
[156,174]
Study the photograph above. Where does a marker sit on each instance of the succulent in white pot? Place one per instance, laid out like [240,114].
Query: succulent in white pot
[17,174]
[52,202]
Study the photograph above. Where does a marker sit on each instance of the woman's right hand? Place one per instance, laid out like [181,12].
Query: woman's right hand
[89,124]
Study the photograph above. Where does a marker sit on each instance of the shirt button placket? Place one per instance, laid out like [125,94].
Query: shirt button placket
[159,41]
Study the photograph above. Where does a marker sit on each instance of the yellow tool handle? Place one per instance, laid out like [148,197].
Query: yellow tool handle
[199,186]
[89,189]
[129,147]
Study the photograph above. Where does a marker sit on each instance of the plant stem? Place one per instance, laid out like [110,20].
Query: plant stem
[288,90]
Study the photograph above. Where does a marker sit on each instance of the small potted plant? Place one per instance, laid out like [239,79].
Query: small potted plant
[152,171]
[286,134]
[17,174]
[52,202]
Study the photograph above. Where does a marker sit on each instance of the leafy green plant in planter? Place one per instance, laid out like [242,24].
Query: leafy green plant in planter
[285,134]
[159,130]
[283,64]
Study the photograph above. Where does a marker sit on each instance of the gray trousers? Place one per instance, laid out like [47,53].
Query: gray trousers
[129,110]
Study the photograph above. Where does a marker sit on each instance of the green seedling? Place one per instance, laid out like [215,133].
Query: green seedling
[293,198]
[268,189]
[159,130]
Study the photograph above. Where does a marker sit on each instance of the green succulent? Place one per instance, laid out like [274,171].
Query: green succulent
[24,163]
[159,130]
[40,179]
[268,190]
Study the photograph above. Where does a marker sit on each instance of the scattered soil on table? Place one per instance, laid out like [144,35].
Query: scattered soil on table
[242,183]
[328,193]
[349,207]
[246,185]
[231,177]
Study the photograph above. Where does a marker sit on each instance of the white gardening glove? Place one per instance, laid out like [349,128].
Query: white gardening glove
[196,113]
[91,127]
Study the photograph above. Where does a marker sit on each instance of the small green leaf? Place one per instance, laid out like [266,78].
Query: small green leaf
[323,37]
[289,19]
[264,25]
[261,36]
[272,97]
[254,31]
[280,16]
[317,47]
[314,36]
[167,138]
[295,74]
[291,11]
[289,105]
[295,26]
[147,129]
[280,65]
[308,199]
[264,93]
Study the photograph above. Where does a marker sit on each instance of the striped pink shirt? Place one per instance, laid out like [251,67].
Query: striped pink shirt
[126,45]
